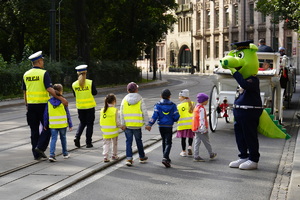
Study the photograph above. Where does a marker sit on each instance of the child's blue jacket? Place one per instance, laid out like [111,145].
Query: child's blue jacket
[165,112]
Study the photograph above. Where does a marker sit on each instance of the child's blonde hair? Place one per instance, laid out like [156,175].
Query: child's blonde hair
[58,89]
[191,105]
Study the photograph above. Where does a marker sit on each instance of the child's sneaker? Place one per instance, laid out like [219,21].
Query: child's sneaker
[66,156]
[143,160]
[213,155]
[115,157]
[199,159]
[106,160]
[52,159]
[190,151]
[129,162]
[166,162]
[183,154]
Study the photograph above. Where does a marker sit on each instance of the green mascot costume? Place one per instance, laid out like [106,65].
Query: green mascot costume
[250,118]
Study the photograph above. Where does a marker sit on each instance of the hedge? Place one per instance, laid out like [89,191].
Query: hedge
[101,72]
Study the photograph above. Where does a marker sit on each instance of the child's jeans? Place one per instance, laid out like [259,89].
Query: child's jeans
[107,144]
[166,134]
[205,139]
[137,133]
[63,139]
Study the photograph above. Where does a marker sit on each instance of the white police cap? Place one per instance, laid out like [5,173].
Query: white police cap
[36,56]
[81,68]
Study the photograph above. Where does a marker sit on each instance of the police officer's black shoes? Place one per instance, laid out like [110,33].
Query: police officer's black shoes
[42,154]
[77,142]
[89,145]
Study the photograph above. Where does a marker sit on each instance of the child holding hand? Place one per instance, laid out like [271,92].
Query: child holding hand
[57,118]
[110,126]
[184,125]
[166,113]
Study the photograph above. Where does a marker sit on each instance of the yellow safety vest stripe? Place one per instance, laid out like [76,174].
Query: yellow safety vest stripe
[133,114]
[57,116]
[108,123]
[84,97]
[185,120]
[35,88]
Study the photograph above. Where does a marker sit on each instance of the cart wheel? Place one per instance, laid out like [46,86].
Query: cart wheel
[213,104]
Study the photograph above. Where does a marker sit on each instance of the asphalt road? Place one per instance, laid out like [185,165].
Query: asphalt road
[184,180]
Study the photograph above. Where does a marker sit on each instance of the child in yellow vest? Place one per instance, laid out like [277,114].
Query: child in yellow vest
[57,118]
[110,126]
[200,127]
[184,124]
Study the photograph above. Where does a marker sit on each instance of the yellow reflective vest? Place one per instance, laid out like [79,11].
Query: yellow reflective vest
[57,116]
[108,123]
[35,88]
[133,114]
[185,120]
[84,96]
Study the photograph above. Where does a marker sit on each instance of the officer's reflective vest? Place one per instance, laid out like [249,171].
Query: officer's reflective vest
[84,97]
[35,88]
[57,116]
[133,114]
[185,120]
[108,123]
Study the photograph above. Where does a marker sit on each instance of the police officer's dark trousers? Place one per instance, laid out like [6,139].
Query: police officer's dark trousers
[245,127]
[35,117]
[87,118]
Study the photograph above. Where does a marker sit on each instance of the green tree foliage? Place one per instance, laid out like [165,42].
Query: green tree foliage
[23,22]
[89,29]
[108,35]
[124,27]
[287,10]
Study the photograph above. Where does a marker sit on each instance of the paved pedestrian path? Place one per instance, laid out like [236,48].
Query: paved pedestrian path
[23,178]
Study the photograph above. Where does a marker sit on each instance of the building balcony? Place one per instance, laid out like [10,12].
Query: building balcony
[250,28]
[261,27]
[179,9]
[235,29]
[226,30]
[207,32]
[216,31]
[198,35]
[187,7]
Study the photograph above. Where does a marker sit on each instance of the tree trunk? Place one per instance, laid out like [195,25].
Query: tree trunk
[154,62]
[83,43]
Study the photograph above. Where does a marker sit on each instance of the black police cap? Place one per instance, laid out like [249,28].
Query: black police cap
[241,45]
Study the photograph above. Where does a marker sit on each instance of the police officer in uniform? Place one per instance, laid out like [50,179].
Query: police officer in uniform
[84,91]
[37,86]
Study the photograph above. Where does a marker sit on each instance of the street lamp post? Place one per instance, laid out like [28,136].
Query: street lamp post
[59,30]
[52,31]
